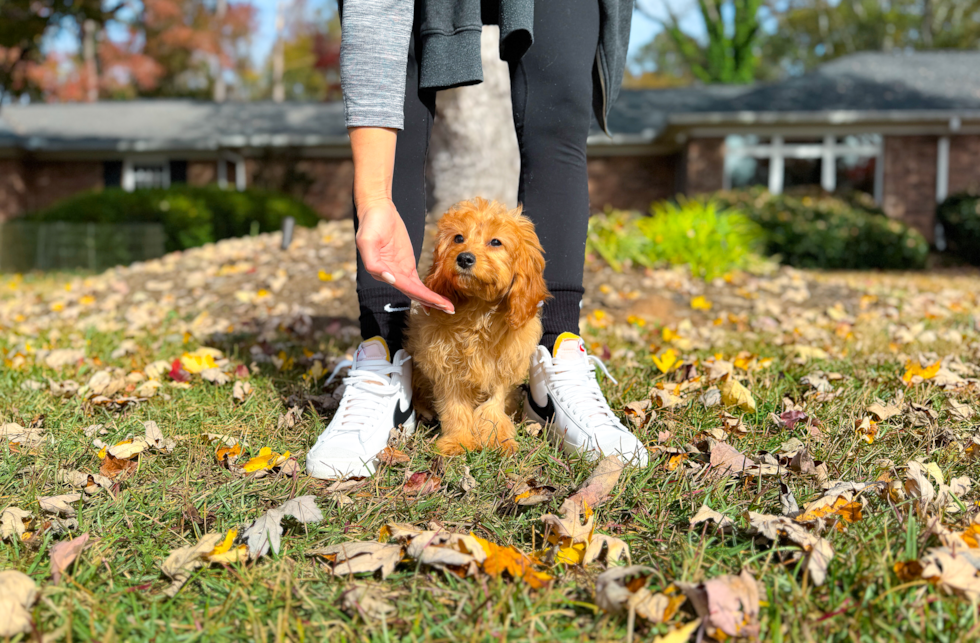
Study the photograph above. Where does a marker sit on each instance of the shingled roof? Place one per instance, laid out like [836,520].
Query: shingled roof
[888,87]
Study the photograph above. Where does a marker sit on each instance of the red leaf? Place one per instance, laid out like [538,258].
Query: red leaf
[177,372]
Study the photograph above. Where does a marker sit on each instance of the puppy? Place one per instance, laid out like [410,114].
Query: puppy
[489,263]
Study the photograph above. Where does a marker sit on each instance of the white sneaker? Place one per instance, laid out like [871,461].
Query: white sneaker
[377,397]
[564,396]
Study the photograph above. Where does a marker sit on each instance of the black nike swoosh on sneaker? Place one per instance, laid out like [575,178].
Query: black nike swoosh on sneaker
[401,416]
[546,412]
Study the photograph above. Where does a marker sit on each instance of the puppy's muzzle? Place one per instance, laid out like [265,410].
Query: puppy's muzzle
[465,260]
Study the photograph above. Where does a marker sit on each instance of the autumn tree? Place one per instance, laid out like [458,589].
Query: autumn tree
[311,55]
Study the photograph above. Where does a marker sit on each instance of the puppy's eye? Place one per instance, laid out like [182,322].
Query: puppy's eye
[459,238]
[495,242]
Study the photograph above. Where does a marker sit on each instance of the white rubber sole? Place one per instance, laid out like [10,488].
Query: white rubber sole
[342,470]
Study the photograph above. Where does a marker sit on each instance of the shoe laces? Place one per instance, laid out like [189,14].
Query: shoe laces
[575,380]
[367,389]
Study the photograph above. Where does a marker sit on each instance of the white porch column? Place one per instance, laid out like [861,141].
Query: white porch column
[942,169]
[776,166]
[828,165]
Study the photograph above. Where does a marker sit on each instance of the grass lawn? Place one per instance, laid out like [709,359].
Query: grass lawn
[826,346]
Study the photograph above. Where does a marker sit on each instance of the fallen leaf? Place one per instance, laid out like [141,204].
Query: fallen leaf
[420,483]
[729,604]
[915,372]
[111,467]
[241,390]
[624,588]
[533,429]
[500,559]
[569,526]
[64,553]
[17,593]
[182,562]
[370,603]
[832,505]
[266,459]
[303,509]
[13,522]
[700,303]
[727,460]
[960,410]
[817,550]
[128,448]
[667,361]
[866,429]
[954,572]
[528,493]
[711,397]
[226,552]
[600,483]
[154,437]
[216,376]
[391,457]
[360,557]
[681,634]
[884,412]
[62,357]
[60,505]
[264,534]
[733,393]
[88,482]
[707,514]
[468,482]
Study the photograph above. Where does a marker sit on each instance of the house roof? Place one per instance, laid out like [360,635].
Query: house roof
[881,87]
[147,125]
[899,87]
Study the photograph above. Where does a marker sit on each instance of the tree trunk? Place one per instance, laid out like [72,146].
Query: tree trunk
[473,150]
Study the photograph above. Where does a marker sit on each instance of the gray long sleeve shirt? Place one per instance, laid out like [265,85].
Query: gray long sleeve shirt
[373,51]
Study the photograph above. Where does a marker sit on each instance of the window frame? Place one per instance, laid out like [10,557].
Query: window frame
[828,150]
[129,170]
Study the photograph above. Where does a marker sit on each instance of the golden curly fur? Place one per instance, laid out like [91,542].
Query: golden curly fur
[467,365]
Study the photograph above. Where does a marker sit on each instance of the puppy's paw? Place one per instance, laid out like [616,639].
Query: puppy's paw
[508,446]
[450,446]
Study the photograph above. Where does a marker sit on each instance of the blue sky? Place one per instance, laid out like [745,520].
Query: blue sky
[642,31]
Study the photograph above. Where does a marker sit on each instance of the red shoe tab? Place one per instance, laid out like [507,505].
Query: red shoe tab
[569,346]
[374,348]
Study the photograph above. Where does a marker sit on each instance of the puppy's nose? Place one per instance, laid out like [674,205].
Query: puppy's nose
[465,260]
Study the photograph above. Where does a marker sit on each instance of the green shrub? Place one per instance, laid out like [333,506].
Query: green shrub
[960,216]
[709,240]
[822,231]
[191,216]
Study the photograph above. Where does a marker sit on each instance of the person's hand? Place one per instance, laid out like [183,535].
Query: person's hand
[387,253]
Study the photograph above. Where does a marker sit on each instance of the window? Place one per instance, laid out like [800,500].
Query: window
[849,162]
[142,174]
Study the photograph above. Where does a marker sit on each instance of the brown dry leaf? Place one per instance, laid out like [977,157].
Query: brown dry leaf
[216,376]
[818,551]
[533,429]
[154,437]
[960,410]
[624,588]
[360,557]
[421,483]
[918,486]
[371,603]
[727,460]
[89,483]
[64,553]
[17,593]
[60,505]
[636,412]
[570,526]
[732,425]
[241,390]
[14,522]
[182,562]
[727,604]
[884,412]
[866,429]
[665,399]
[530,492]
[908,570]
[707,514]
[733,393]
[615,549]
[391,457]
[111,467]
[600,484]
[468,483]
[954,572]
[29,436]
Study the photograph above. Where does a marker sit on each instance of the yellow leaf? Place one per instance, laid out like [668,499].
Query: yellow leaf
[323,275]
[867,429]
[200,360]
[700,303]
[681,634]
[848,510]
[228,452]
[226,552]
[508,559]
[733,393]
[913,369]
[636,321]
[675,461]
[666,361]
[266,459]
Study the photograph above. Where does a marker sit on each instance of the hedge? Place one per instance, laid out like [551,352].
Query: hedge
[191,216]
[960,217]
[834,232]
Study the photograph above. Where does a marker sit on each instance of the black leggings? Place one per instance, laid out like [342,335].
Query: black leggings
[551,92]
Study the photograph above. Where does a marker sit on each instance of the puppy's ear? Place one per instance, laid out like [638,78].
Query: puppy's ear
[438,279]
[528,290]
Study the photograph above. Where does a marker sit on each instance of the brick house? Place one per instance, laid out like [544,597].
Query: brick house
[904,128]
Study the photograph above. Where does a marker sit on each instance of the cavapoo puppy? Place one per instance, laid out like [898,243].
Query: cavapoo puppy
[489,263]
